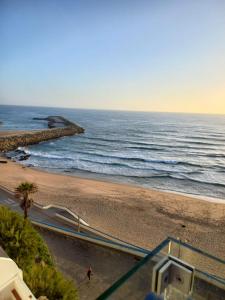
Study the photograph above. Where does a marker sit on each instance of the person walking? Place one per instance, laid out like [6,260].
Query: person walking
[89,273]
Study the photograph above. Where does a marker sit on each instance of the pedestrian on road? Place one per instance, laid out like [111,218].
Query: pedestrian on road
[89,273]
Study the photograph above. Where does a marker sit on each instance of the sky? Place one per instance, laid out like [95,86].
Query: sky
[161,55]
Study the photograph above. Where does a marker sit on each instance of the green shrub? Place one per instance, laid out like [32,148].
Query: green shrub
[45,280]
[21,241]
[26,247]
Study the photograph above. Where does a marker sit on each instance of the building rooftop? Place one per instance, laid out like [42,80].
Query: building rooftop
[12,286]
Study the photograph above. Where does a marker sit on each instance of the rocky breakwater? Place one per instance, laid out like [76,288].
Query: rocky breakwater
[58,127]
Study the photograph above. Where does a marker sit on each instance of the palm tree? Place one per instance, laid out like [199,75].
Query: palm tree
[23,192]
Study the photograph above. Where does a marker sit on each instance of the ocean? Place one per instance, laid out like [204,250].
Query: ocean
[167,151]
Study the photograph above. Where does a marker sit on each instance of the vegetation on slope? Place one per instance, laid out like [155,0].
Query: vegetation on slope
[26,247]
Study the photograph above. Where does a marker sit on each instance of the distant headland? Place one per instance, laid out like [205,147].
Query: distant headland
[58,126]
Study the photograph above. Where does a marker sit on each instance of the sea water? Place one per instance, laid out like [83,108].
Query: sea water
[176,152]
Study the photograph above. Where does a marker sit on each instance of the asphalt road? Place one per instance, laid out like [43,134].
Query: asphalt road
[35,213]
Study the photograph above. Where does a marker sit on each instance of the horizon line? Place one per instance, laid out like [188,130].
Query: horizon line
[118,110]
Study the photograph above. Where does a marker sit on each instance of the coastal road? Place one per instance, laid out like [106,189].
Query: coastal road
[35,213]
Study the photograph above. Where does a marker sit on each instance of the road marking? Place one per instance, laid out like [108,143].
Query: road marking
[7,201]
[10,200]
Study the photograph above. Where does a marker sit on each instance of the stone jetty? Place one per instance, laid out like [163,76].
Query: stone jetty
[57,127]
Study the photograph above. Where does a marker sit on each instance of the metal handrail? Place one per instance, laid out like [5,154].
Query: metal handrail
[67,230]
[179,242]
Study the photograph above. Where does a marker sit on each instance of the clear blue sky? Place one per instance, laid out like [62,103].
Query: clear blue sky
[156,55]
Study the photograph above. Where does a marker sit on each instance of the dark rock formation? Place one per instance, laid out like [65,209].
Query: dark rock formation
[19,151]
[56,121]
[24,157]
[67,128]
[3,161]
[18,155]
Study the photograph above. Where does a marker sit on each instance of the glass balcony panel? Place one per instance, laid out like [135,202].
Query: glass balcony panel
[174,270]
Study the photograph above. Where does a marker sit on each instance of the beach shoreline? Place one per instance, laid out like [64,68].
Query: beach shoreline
[110,180]
[132,213]
[96,177]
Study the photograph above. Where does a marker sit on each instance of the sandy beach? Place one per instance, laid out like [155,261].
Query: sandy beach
[141,216]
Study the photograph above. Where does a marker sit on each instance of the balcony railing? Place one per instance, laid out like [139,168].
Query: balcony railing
[173,270]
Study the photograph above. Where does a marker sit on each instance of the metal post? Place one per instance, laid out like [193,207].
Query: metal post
[78,229]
